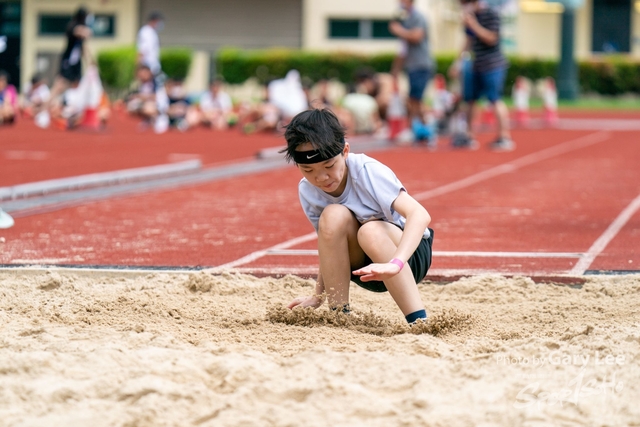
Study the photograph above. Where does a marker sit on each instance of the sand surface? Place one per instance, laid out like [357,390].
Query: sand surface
[99,349]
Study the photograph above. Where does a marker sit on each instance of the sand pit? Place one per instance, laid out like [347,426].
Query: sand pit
[98,349]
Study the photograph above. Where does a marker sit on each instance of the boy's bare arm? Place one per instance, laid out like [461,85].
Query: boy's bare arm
[417,221]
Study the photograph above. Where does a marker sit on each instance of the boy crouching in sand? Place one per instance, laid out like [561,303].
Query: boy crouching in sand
[370,230]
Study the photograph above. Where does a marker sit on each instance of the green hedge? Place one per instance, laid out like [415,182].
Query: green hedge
[608,76]
[176,62]
[117,66]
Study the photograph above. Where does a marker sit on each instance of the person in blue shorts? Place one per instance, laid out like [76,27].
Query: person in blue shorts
[370,230]
[482,27]
[415,56]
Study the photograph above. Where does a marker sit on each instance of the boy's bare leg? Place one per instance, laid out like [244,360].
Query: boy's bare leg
[339,252]
[380,240]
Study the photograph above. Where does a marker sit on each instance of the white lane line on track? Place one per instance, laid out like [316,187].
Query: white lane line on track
[529,159]
[547,153]
[609,234]
[472,254]
[259,254]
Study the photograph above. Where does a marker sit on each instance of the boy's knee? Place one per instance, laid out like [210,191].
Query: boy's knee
[369,233]
[334,219]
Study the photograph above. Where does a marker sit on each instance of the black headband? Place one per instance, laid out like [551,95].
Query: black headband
[316,156]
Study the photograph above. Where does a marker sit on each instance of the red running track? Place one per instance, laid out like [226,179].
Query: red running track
[28,153]
[559,193]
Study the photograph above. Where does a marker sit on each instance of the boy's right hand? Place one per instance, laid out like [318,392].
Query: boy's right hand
[312,301]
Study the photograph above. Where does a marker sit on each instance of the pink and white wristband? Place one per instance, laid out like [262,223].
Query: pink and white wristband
[397,262]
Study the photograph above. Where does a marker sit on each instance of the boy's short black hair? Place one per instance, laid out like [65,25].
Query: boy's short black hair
[4,75]
[318,126]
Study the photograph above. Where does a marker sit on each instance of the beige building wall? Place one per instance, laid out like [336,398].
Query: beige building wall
[440,14]
[537,34]
[531,41]
[126,27]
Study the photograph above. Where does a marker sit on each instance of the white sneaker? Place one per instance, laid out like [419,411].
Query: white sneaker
[161,124]
[42,119]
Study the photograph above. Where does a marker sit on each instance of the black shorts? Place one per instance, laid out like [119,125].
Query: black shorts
[72,73]
[419,262]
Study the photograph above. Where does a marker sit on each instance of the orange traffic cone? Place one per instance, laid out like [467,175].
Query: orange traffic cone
[91,119]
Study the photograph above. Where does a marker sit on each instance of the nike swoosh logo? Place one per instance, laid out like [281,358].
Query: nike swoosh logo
[311,157]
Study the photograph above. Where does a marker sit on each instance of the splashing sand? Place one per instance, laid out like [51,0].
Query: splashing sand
[173,350]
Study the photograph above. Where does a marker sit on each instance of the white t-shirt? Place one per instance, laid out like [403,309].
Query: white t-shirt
[362,107]
[371,190]
[220,102]
[39,95]
[149,47]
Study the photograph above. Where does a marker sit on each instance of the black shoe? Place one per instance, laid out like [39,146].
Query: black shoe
[463,141]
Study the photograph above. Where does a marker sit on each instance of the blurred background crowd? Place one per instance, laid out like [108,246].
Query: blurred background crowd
[395,69]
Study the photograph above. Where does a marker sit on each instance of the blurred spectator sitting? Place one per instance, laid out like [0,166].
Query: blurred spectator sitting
[216,107]
[377,85]
[67,114]
[262,116]
[8,99]
[149,101]
[182,115]
[364,112]
[36,96]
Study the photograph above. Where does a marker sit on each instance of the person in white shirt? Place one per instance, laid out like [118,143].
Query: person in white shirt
[148,43]
[36,96]
[288,95]
[216,107]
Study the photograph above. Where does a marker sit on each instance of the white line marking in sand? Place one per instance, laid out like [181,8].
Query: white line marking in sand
[529,159]
[598,246]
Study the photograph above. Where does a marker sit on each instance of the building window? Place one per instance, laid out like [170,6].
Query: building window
[380,30]
[344,29]
[56,25]
[359,29]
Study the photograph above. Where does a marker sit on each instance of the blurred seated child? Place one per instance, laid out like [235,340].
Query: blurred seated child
[8,99]
[378,85]
[216,107]
[36,97]
[67,112]
[182,114]
[149,101]
[364,112]
[260,117]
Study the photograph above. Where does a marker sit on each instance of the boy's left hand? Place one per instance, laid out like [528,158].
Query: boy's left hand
[378,272]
